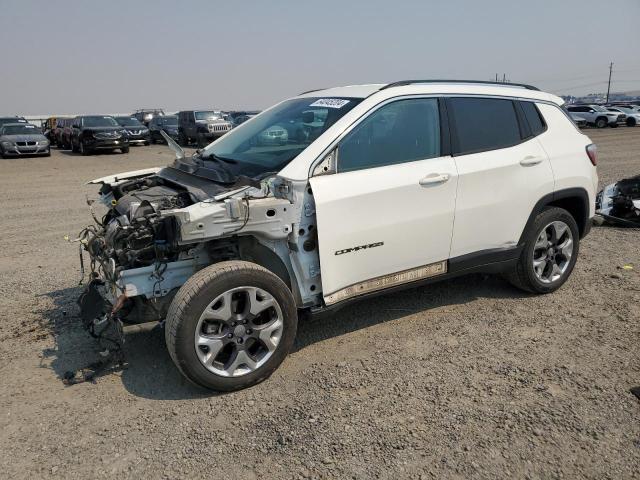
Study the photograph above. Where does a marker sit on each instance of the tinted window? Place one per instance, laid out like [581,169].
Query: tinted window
[531,113]
[399,132]
[484,124]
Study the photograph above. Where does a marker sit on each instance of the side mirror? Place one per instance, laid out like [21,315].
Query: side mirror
[328,165]
[308,117]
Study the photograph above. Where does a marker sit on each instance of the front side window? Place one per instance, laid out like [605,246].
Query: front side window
[483,124]
[399,132]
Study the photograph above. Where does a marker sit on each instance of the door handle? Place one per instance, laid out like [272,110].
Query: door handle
[530,161]
[434,179]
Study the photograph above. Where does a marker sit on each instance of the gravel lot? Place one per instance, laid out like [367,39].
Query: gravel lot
[468,378]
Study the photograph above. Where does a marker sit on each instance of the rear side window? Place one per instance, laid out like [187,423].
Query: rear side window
[399,132]
[483,124]
[534,119]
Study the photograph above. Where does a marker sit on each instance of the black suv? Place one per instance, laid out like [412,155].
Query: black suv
[97,132]
[201,126]
[168,123]
[138,134]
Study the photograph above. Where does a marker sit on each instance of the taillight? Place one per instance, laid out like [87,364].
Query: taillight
[592,153]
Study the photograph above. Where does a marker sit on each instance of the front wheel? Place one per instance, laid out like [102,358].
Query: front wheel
[631,122]
[124,149]
[231,325]
[601,122]
[83,149]
[549,254]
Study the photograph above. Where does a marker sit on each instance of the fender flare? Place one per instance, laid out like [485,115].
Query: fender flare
[550,199]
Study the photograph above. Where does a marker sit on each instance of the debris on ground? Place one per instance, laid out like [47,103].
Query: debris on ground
[619,203]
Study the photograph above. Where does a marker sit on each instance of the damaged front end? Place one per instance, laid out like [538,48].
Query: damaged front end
[619,203]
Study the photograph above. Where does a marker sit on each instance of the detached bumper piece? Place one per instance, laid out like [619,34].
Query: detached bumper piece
[619,203]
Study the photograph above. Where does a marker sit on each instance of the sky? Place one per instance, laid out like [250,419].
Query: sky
[98,56]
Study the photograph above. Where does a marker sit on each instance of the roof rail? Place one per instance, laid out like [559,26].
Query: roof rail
[402,83]
[309,91]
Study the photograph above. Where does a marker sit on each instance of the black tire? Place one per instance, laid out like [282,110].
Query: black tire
[614,125]
[196,294]
[146,144]
[83,149]
[152,140]
[74,149]
[124,149]
[601,122]
[631,122]
[523,275]
[183,140]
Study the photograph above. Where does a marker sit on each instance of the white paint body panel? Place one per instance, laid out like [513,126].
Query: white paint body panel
[388,205]
[566,147]
[118,177]
[496,194]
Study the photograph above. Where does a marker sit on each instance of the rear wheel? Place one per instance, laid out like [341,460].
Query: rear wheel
[124,149]
[631,122]
[231,325]
[601,122]
[549,254]
[183,140]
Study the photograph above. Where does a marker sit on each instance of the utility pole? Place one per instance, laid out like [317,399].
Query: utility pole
[609,84]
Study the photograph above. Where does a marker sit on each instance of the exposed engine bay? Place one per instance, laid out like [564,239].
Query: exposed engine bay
[619,203]
[163,225]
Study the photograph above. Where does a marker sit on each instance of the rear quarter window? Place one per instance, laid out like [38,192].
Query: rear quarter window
[534,118]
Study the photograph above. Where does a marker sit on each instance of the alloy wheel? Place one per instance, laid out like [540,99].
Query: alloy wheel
[238,331]
[552,252]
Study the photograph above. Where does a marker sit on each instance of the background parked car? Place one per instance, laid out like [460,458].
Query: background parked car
[63,133]
[598,115]
[145,115]
[580,121]
[137,132]
[48,129]
[201,126]
[18,139]
[168,123]
[97,132]
[632,116]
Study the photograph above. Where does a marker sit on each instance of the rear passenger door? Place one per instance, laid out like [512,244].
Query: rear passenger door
[502,172]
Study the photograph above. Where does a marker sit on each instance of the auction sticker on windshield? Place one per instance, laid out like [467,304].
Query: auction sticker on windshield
[330,103]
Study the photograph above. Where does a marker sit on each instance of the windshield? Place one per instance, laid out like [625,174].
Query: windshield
[99,122]
[128,122]
[12,120]
[272,139]
[169,121]
[20,130]
[208,115]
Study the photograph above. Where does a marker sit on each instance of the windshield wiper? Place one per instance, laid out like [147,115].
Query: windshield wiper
[212,156]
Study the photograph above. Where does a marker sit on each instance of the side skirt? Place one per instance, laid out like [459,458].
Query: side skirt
[486,261]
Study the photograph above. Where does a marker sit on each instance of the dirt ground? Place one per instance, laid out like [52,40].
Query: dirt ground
[469,378]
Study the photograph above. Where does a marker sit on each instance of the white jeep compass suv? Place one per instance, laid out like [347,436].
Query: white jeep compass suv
[377,187]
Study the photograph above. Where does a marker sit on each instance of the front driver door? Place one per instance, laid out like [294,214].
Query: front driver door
[389,208]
